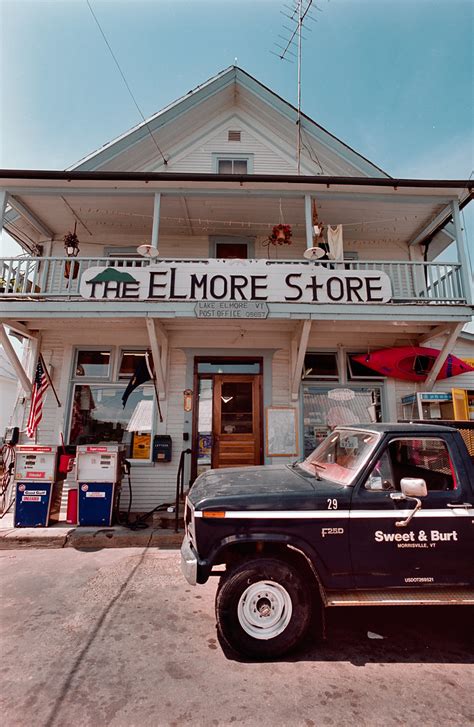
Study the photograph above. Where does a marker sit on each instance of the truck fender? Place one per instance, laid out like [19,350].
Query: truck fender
[300,547]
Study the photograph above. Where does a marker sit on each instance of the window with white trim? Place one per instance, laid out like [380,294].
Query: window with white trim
[232,163]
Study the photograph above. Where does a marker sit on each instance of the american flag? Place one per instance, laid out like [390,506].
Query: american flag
[36,411]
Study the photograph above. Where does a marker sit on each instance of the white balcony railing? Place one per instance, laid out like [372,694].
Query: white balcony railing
[57,278]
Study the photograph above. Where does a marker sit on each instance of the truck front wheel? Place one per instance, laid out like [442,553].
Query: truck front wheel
[263,608]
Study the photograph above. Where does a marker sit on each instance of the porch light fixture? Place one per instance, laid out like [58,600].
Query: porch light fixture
[148,251]
[71,243]
[314,253]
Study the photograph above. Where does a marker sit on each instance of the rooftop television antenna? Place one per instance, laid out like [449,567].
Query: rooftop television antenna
[297,13]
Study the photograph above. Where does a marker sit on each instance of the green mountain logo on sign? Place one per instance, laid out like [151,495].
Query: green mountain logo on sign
[111,274]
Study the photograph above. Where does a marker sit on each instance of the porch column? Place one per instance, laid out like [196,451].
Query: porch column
[15,361]
[3,205]
[462,253]
[308,220]
[156,220]
[442,356]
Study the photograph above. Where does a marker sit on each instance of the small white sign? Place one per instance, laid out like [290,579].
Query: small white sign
[95,494]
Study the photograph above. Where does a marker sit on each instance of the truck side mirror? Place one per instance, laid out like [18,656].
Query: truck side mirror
[413,487]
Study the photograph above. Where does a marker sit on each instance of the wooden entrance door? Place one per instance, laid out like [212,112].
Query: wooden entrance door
[236,432]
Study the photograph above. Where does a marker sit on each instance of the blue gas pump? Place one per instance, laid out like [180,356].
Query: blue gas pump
[99,476]
[35,476]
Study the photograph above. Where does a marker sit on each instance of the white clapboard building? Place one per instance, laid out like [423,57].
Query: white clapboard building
[251,287]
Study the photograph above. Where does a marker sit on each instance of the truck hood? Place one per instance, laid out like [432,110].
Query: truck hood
[251,488]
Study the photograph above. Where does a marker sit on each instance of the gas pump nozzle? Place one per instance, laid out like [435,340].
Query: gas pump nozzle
[126,466]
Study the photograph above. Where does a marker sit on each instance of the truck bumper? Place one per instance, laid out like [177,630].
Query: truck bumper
[189,562]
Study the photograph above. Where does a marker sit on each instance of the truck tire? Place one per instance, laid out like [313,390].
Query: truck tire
[263,608]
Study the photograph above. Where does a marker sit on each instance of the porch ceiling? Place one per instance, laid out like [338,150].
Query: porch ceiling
[343,330]
[127,218]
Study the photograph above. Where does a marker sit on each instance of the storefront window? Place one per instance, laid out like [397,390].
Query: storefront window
[325,408]
[95,364]
[320,366]
[129,361]
[98,415]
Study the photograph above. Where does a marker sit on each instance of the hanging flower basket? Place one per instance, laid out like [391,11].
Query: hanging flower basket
[281,235]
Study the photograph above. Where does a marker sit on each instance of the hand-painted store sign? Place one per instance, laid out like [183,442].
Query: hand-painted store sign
[237,280]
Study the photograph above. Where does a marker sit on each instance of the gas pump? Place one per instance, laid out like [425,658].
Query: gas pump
[99,476]
[35,477]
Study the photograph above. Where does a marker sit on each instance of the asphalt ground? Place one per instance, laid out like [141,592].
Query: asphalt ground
[117,637]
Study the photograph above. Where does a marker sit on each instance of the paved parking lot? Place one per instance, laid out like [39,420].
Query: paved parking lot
[117,637]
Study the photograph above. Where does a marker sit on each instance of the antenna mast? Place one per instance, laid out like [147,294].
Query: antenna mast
[298,14]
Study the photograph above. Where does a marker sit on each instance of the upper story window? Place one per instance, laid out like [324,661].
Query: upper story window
[233,163]
[232,166]
[231,247]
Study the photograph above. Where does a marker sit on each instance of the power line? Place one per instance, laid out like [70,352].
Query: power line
[126,83]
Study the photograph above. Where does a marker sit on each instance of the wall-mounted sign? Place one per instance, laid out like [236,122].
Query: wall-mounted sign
[230,309]
[237,280]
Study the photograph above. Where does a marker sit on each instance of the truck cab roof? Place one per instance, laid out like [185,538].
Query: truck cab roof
[396,427]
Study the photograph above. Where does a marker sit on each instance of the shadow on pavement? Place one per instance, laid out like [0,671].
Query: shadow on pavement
[432,634]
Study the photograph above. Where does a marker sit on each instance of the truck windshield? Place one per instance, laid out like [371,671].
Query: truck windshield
[342,454]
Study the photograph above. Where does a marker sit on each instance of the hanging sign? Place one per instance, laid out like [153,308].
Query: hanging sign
[230,309]
[237,280]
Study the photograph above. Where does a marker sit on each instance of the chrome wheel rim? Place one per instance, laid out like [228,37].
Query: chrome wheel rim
[264,610]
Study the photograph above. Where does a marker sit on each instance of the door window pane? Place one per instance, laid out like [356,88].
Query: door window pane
[204,453]
[236,408]
[93,363]
[98,416]
[228,368]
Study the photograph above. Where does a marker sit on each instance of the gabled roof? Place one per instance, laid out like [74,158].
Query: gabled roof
[202,93]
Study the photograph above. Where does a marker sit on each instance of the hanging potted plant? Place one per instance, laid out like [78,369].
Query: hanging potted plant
[71,246]
[280,235]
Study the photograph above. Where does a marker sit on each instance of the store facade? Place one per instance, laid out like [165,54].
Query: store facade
[251,340]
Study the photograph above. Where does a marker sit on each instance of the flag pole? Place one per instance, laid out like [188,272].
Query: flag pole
[49,378]
[157,399]
[151,371]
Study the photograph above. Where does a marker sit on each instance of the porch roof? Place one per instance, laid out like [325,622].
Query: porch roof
[116,208]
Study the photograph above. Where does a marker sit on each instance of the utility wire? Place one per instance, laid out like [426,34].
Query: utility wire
[165,161]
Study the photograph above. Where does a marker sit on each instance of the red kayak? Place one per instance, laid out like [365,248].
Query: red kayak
[411,363]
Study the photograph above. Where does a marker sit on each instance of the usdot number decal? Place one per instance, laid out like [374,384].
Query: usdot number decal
[332,503]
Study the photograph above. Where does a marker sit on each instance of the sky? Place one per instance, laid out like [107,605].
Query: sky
[392,78]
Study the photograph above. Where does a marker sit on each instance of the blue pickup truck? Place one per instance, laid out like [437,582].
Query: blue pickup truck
[379,514]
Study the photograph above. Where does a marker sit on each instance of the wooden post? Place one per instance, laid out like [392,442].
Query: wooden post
[462,253]
[15,361]
[442,356]
[156,220]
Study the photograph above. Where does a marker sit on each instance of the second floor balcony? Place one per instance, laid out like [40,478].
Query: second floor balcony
[209,222]
[59,278]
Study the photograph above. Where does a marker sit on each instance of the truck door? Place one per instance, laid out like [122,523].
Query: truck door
[436,545]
